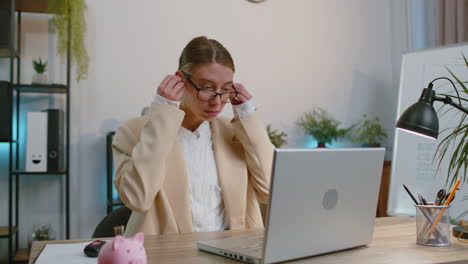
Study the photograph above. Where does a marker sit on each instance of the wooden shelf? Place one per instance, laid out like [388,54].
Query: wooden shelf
[40,88]
[32,6]
[4,231]
[7,141]
[5,53]
[39,172]
[22,255]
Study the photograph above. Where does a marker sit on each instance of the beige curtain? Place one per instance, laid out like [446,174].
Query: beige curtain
[452,21]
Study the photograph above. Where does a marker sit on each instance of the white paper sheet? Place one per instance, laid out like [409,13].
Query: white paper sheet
[65,253]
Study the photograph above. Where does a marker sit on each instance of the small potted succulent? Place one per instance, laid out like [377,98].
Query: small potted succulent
[368,131]
[40,77]
[41,234]
[322,126]
[277,137]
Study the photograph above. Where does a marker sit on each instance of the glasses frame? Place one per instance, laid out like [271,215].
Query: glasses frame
[214,92]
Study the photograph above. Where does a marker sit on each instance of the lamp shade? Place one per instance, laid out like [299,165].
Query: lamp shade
[420,118]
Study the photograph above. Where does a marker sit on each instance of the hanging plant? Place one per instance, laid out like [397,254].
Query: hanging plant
[73,11]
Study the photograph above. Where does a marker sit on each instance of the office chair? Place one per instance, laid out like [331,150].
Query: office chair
[117,217]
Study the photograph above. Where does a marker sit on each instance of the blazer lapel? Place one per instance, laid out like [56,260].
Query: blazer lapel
[177,189]
[232,172]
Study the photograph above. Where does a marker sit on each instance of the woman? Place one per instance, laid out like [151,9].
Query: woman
[181,168]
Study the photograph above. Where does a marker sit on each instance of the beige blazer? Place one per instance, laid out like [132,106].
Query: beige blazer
[151,176]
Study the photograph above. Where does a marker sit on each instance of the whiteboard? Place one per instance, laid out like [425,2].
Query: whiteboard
[412,163]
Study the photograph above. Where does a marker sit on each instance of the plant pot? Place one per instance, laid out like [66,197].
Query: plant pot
[321,145]
[367,145]
[39,78]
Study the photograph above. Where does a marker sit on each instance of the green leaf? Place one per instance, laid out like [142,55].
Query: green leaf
[457,79]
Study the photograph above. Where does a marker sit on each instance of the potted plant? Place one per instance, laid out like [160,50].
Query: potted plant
[322,126]
[73,11]
[277,137]
[368,131]
[40,77]
[41,234]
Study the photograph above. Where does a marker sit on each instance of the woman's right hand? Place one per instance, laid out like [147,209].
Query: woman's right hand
[171,88]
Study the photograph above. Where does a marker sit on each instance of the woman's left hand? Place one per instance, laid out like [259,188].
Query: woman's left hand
[242,96]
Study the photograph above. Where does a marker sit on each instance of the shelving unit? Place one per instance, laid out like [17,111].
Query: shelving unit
[10,232]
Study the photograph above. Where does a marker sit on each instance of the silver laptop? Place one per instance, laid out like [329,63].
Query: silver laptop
[321,200]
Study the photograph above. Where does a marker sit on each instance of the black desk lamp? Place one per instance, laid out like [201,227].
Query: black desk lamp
[421,117]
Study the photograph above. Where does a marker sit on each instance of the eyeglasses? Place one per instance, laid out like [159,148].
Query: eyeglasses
[208,94]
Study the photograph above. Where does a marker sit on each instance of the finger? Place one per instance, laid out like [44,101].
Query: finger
[241,98]
[237,86]
[164,87]
[172,82]
[237,100]
[233,95]
[246,96]
[164,82]
[241,89]
[179,90]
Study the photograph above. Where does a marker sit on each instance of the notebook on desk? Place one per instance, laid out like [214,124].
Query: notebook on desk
[321,200]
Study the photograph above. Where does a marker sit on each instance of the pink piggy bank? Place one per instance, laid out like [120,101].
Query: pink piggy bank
[123,251]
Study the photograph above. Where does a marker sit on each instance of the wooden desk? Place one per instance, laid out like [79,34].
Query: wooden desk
[394,242]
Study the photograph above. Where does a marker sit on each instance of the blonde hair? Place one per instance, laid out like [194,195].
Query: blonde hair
[202,50]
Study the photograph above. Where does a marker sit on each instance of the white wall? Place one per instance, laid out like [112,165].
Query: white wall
[343,56]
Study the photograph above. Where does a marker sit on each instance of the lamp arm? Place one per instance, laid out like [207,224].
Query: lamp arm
[449,101]
[454,87]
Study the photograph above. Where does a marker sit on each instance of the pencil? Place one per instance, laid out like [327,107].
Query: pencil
[447,202]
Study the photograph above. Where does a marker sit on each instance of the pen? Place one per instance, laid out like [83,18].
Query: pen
[410,194]
[447,202]
[421,199]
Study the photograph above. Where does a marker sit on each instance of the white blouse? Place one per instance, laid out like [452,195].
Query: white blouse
[208,213]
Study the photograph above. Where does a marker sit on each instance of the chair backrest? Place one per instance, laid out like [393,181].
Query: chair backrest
[117,217]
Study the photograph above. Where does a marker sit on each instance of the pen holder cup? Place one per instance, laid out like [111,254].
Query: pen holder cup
[433,225]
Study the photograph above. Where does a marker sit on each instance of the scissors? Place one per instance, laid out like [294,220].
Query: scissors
[440,197]
[446,197]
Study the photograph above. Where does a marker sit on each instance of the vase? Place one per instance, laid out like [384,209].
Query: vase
[39,78]
[321,145]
